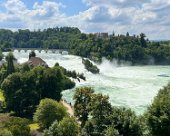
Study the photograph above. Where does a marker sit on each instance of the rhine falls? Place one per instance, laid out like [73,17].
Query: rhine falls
[128,86]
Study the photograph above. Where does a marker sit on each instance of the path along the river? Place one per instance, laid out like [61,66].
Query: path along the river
[68,106]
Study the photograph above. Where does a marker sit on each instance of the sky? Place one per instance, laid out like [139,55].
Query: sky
[151,17]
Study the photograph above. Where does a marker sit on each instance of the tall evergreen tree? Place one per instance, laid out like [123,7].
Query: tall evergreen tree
[1,55]
[142,40]
[32,54]
[127,34]
[10,64]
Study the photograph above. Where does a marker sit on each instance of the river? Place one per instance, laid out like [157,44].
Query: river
[129,86]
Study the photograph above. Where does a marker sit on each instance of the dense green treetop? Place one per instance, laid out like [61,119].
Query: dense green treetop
[48,111]
[82,99]
[69,73]
[99,118]
[1,55]
[158,114]
[36,83]
[10,63]
[126,122]
[111,131]
[66,127]
[14,126]
[90,67]
[32,54]
[5,132]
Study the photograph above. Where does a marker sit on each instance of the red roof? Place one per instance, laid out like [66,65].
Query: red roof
[36,61]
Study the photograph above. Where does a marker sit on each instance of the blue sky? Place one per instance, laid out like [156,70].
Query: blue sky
[134,16]
[72,7]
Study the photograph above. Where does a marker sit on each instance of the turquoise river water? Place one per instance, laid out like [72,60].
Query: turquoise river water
[129,86]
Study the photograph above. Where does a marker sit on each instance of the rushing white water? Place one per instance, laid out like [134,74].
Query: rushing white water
[129,86]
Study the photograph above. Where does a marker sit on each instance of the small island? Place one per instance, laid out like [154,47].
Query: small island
[90,67]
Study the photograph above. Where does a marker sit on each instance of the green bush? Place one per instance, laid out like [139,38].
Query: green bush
[111,131]
[66,127]
[158,115]
[17,126]
[5,132]
[126,122]
[48,111]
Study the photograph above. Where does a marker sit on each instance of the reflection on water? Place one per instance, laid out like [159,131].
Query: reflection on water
[129,86]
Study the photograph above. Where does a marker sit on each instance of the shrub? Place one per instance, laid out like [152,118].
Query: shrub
[48,111]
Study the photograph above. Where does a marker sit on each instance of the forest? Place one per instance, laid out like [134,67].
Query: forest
[136,49]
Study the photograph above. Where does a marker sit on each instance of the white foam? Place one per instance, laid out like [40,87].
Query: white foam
[130,86]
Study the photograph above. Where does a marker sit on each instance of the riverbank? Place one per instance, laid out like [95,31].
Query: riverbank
[68,106]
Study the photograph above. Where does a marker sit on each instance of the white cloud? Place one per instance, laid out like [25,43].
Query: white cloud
[116,3]
[148,16]
[46,10]
[135,16]
[41,15]
[15,7]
